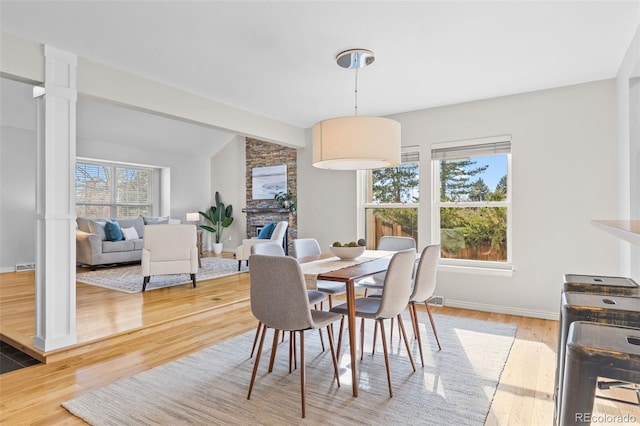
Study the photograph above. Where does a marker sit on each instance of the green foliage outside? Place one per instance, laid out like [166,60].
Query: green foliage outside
[471,227]
[466,232]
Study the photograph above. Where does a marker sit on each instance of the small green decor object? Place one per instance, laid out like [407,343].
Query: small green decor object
[286,200]
[219,216]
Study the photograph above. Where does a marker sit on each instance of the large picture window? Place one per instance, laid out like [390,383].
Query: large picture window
[472,201]
[391,207]
[107,190]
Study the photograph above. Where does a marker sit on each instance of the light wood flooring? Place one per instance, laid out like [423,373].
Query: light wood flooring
[123,334]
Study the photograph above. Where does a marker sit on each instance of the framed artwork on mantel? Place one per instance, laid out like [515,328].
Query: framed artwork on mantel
[267,181]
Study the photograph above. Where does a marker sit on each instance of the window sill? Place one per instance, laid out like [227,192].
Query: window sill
[476,270]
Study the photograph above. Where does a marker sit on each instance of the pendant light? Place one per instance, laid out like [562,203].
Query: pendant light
[356,142]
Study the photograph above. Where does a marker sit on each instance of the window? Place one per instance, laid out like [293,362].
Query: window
[107,190]
[472,201]
[392,196]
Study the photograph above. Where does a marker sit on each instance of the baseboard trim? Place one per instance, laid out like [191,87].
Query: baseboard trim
[502,309]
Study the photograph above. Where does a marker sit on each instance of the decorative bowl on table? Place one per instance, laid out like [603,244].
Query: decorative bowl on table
[347,253]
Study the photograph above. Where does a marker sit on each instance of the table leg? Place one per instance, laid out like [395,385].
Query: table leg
[351,308]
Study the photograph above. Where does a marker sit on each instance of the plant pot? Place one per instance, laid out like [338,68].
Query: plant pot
[217,248]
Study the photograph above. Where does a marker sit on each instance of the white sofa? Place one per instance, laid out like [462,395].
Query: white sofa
[244,251]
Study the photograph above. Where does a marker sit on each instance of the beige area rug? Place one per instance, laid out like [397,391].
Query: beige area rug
[128,279]
[455,387]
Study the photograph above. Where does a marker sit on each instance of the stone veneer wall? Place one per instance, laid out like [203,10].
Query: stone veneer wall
[259,212]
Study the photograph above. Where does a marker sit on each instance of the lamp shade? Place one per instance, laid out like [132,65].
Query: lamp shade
[356,143]
[193,217]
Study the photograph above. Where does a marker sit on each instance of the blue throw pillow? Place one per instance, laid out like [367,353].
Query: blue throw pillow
[113,231]
[266,231]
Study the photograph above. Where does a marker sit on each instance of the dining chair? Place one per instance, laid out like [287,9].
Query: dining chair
[424,284]
[315,296]
[387,243]
[304,247]
[279,300]
[394,299]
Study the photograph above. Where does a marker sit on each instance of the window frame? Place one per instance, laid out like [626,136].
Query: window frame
[410,154]
[436,205]
[152,192]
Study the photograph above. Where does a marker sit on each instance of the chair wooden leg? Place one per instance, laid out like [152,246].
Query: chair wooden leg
[303,386]
[333,353]
[391,332]
[361,339]
[145,281]
[416,329]
[255,365]
[330,302]
[386,356]
[274,348]
[340,336]
[255,339]
[193,279]
[433,324]
[375,337]
[321,339]
[406,341]
[291,351]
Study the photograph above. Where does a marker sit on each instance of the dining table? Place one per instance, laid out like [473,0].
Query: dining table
[348,272]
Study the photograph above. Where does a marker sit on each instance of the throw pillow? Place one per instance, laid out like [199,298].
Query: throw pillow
[266,231]
[113,231]
[130,233]
[97,228]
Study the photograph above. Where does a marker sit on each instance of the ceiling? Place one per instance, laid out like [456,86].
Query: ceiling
[276,58]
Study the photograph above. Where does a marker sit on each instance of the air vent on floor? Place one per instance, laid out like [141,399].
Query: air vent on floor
[436,301]
[25,267]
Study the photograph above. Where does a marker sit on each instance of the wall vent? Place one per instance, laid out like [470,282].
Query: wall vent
[436,301]
[25,267]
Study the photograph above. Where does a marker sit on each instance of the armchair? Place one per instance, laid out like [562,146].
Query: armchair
[169,249]
[244,251]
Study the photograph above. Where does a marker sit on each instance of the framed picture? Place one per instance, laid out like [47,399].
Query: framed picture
[268,181]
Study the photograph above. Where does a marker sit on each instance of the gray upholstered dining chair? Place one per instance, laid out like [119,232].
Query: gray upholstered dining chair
[279,300]
[394,299]
[275,249]
[387,243]
[424,285]
[304,247]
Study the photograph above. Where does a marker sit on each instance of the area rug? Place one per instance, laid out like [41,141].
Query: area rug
[455,387]
[128,279]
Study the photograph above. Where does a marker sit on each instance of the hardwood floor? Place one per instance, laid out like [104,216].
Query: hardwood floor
[123,334]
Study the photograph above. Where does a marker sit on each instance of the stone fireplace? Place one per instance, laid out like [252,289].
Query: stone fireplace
[260,212]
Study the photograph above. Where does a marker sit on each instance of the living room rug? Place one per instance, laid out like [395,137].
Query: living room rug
[455,387]
[128,279]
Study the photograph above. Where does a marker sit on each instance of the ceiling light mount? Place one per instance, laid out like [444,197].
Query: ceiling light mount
[354,59]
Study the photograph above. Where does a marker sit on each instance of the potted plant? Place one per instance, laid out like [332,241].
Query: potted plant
[286,200]
[220,217]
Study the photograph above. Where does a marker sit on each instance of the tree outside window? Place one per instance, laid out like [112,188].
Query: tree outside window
[472,208]
[392,209]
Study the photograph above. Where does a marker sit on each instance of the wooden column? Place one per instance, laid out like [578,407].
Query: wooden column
[55,204]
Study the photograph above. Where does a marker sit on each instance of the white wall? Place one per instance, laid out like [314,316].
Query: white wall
[564,170]
[326,201]
[17,197]
[228,177]
[628,149]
